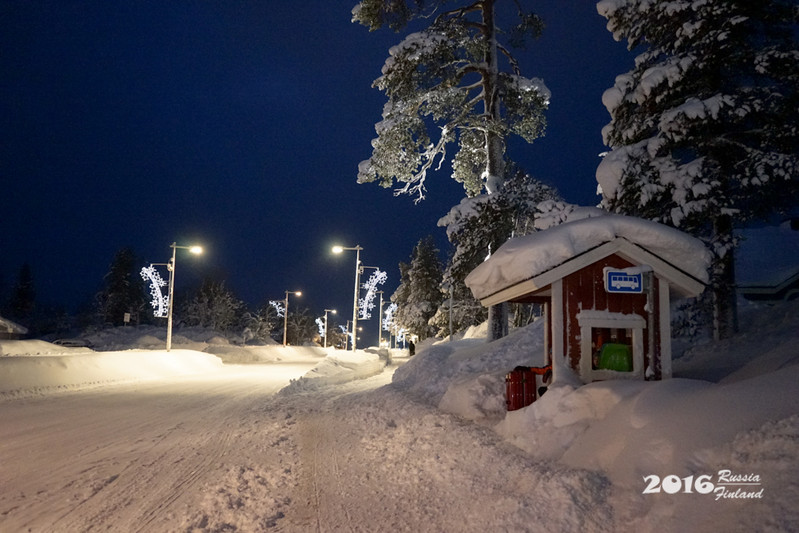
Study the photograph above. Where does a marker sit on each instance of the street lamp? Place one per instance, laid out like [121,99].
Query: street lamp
[286,313]
[171,267]
[326,311]
[357,248]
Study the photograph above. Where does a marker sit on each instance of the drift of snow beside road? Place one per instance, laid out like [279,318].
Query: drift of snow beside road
[435,450]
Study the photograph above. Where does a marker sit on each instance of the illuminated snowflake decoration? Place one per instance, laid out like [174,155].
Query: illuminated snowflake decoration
[366,304]
[320,323]
[345,332]
[388,320]
[279,308]
[159,302]
[391,326]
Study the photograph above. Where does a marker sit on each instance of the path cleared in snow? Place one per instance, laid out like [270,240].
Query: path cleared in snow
[224,452]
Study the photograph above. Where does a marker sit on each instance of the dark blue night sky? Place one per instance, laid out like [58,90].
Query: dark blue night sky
[240,126]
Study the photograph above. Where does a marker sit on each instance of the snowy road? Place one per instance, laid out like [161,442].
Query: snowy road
[225,453]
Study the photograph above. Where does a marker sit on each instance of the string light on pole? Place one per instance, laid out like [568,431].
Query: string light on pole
[278,306]
[366,304]
[160,302]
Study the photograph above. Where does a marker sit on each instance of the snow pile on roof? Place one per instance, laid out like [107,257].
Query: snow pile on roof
[525,257]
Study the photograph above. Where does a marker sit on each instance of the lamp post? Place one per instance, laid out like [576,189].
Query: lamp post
[327,311]
[286,313]
[380,321]
[357,248]
[171,267]
[352,333]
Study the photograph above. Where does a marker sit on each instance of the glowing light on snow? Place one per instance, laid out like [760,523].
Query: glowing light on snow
[159,302]
[366,304]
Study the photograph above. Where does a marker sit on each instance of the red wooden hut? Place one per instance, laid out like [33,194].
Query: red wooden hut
[606,283]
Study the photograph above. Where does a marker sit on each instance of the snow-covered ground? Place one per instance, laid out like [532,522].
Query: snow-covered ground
[218,437]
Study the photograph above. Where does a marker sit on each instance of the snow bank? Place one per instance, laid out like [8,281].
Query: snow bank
[25,375]
[734,406]
[137,353]
[525,257]
[234,354]
[746,420]
[338,367]
[470,374]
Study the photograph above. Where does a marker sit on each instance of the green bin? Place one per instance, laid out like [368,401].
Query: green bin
[616,357]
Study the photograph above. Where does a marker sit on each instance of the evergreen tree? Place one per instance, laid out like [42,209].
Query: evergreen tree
[213,306]
[466,310]
[123,290]
[418,296]
[261,324]
[22,304]
[704,131]
[449,75]
[300,327]
[479,225]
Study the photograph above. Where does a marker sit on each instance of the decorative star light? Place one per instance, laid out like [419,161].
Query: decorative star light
[388,321]
[320,323]
[366,304]
[159,302]
[279,308]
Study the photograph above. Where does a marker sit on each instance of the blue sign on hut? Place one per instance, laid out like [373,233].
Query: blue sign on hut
[606,283]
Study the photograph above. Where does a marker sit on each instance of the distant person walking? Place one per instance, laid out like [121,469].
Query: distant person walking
[411,348]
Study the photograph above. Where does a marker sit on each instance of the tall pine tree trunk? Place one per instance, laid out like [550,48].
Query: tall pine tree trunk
[495,149]
[725,306]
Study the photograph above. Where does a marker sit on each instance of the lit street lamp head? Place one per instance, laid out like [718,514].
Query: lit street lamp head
[338,249]
[196,250]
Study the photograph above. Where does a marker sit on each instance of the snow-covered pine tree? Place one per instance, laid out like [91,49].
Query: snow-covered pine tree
[213,306]
[481,224]
[455,76]
[300,327]
[123,290]
[704,131]
[418,295]
[260,324]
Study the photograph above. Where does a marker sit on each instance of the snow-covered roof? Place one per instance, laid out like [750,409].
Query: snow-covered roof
[524,258]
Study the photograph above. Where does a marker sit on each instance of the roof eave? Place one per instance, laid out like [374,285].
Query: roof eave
[680,281]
